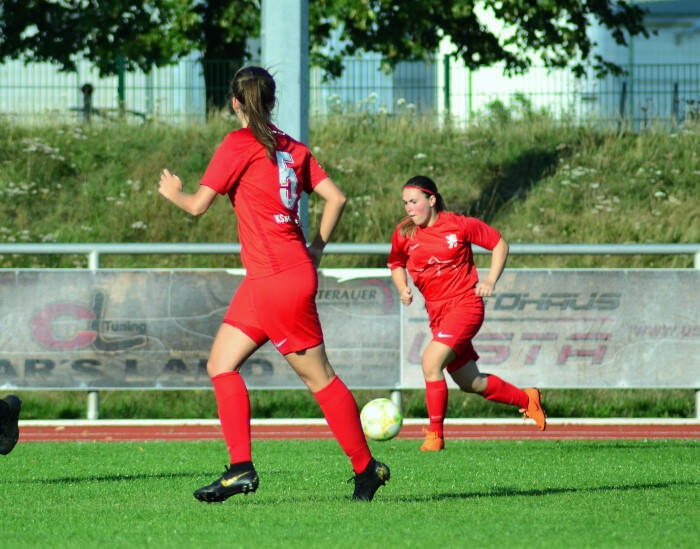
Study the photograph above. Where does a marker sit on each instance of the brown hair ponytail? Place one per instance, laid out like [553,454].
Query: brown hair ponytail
[254,88]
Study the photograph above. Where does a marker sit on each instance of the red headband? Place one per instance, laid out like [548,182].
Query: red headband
[427,191]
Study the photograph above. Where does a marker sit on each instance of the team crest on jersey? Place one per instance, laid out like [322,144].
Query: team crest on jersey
[451,240]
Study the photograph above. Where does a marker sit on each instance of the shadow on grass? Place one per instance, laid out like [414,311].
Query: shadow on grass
[512,182]
[515,492]
[105,478]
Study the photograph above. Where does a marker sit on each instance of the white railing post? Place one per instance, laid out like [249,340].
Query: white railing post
[396,398]
[94,260]
[93,408]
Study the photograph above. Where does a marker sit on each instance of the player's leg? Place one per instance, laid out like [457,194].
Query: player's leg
[433,361]
[453,324]
[492,387]
[9,423]
[295,329]
[464,321]
[343,417]
[231,348]
[238,338]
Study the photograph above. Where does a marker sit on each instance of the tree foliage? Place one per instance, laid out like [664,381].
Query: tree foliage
[158,32]
[553,32]
[47,30]
[129,34]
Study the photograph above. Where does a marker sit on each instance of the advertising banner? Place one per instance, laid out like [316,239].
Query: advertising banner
[597,328]
[120,329]
[152,329]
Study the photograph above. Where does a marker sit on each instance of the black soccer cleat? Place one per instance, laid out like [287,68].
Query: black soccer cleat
[367,482]
[9,423]
[235,480]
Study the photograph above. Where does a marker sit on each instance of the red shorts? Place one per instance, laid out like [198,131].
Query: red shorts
[455,322]
[281,308]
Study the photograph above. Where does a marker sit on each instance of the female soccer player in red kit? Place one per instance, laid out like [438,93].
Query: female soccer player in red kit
[264,171]
[433,246]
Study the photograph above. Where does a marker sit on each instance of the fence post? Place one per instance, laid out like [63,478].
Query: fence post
[623,99]
[447,90]
[87,90]
[676,104]
[121,85]
[470,94]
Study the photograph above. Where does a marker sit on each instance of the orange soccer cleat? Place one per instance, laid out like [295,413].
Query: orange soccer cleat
[534,408]
[433,442]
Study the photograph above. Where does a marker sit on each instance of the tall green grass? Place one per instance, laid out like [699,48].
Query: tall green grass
[474,494]
[536,179]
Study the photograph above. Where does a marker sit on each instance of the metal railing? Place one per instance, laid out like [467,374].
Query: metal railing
[93,251]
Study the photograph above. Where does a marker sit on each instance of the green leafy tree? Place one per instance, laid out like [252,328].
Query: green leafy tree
[158,32]
[551,31]
[124,33]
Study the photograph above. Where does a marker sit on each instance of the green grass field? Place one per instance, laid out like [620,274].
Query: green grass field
[474,494]
[537,180]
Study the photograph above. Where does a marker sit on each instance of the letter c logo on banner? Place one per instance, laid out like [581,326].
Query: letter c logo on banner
[43,333]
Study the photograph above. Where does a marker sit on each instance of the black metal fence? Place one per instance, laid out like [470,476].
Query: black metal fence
[667,94]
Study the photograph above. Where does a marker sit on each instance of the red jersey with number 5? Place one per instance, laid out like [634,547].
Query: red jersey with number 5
[439,258]
[265,196]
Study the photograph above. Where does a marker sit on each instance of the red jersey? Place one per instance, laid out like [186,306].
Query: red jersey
[439,258]
[265,196]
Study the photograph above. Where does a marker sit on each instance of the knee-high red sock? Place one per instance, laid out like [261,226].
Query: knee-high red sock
[234,413]
[499,390]
[436,403]
[343,418]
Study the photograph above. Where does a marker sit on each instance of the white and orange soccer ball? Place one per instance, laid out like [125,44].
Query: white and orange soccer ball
[381,419]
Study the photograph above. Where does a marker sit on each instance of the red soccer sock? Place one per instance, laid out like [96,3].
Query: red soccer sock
[502,391]
[343,418]
[436,403]
[234,413]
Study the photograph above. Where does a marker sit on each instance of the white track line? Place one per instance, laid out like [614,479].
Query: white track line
[314,421]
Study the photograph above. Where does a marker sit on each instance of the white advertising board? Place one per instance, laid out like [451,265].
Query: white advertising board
[597,328]
[118,329]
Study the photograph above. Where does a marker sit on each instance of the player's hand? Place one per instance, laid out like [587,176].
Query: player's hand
[406,296]
[484,289]
[169,183]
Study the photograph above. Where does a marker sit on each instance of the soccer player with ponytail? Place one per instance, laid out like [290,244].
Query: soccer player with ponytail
[433,246]
[264,172]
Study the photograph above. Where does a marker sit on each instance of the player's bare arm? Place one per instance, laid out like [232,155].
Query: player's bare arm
[170,186]
[332,211]
[499,255]
[400,278]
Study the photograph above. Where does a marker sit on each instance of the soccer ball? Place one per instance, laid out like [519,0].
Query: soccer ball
[381,419]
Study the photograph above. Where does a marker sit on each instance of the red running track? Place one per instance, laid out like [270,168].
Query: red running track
[106,431]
